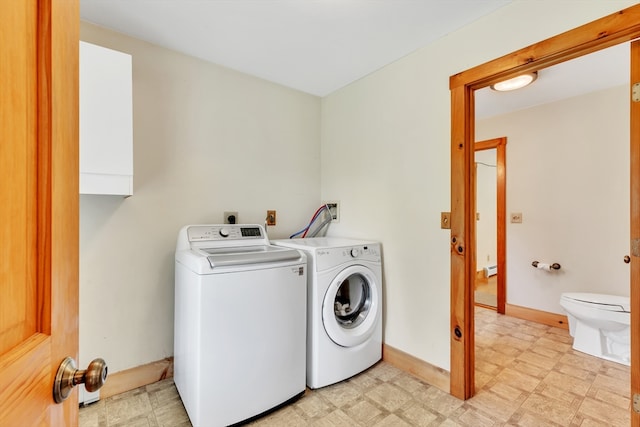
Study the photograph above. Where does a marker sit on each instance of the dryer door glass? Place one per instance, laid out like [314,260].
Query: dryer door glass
[353,301]
[351,306]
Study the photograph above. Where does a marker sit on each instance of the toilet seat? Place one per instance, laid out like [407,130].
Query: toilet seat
[599,301]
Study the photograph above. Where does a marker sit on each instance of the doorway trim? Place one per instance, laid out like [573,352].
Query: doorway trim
[500,145]
[608,31]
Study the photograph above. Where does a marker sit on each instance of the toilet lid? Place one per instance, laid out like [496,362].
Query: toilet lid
[603,302]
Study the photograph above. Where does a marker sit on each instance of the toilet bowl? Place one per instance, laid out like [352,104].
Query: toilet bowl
[599,325]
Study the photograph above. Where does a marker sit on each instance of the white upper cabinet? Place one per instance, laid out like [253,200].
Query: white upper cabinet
[106,121]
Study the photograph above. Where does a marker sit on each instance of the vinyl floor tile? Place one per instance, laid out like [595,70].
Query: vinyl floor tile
[532,377]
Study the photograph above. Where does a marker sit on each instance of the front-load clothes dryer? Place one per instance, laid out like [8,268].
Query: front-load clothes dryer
[344,307]
[240,323]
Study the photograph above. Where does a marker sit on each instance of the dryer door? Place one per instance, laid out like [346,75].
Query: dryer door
[351,306]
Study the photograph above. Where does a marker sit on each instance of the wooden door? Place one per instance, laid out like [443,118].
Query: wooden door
[635,232]
[38,207]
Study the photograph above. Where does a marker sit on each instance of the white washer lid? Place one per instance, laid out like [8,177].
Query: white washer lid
[602,301]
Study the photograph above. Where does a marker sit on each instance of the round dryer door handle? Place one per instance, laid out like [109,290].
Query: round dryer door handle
[627,259]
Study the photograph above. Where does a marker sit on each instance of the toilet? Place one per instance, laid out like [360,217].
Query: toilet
[600,325]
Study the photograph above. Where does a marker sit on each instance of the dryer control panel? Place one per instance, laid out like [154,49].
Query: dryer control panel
[331,257]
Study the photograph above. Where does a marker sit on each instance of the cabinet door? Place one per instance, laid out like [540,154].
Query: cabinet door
[106,121]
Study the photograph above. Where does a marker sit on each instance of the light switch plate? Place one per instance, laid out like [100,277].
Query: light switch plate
[445,220]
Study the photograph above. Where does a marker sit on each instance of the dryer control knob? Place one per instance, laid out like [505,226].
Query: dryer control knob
[354,253]
[224,232]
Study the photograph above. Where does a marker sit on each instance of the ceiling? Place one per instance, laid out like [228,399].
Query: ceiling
[319,46]
[316,46]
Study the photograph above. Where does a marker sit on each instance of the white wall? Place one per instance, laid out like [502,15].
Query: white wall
[206,140]
[386,156]
[568,174]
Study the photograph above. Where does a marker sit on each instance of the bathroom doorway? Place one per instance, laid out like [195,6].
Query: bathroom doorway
[620,27]
[490,170]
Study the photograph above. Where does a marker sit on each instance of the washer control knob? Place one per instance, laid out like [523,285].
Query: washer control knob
[224,232]
[354,252]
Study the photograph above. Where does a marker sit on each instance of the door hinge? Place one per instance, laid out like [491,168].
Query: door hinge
[635,92]
[635,247]
[636,402]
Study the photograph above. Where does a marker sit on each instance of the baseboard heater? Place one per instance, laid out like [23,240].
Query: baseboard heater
[490,270]
[86,397]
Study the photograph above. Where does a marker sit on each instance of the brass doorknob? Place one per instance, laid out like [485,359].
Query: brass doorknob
[627,259]
[68,376]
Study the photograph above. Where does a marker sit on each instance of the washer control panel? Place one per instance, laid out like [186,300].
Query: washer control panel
[204,233]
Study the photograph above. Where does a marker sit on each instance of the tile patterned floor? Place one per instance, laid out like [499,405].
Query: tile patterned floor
[527,374]
[486,291]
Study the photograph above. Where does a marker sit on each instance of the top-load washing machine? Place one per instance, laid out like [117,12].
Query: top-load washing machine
[344,307]
[240,323]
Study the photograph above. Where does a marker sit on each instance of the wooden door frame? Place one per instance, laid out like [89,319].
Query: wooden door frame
[500,145]
[608,31]
[634,154]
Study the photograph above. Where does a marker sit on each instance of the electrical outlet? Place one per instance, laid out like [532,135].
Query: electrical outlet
[230,217]
[516,217]
[334,208]
[271,217]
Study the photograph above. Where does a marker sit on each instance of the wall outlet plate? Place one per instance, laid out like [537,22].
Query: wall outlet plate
[271,217]
[230,217]
[516,217]
[334,208]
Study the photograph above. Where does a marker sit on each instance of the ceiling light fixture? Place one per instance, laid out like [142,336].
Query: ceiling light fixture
[516,82]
